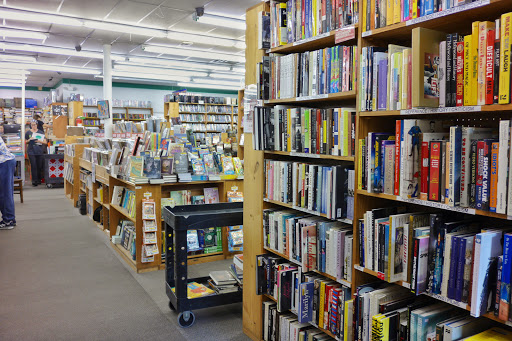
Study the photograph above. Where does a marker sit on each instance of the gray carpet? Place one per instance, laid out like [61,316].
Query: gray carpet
[60,280]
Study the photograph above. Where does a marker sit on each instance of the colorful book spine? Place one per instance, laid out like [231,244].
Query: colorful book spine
[493,181]
[497,47]
[434,189]
[460,75]
[505,63]
[506,278]
[489,67]
[467,69]
[398,135]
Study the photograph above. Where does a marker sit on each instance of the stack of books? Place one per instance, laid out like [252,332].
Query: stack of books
[222,282]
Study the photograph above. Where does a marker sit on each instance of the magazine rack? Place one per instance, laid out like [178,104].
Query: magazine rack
[177,221]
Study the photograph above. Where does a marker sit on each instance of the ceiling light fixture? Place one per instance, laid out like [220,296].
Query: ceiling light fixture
[56,50]
[49,67]
[177,63]
[150,76]
[209,86]
[14,57]
[215,81]
[158,71]
[125,28]
[12,72]
[182,36]
[11,84]
[14,33]
[226,76]
[205,54]
[218,20]
[22,15]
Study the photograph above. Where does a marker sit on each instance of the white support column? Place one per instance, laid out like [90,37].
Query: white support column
[107,86]
[23,124]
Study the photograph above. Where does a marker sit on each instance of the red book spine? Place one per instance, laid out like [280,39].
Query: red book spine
[434,189]
[424,170]
[323,19]
[489,68]
[460,73]
[398,134]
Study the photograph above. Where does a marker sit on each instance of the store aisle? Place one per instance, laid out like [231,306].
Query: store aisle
[59,280]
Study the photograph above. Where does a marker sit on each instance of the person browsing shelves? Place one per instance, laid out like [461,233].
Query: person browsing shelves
[7,167]
[35,148]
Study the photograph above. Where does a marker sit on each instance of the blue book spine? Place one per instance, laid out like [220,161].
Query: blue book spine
[306,291]
[439,260]
[456,165]
[328,69]
[461,261]
[506,276]
[406,10]
[309,26]
[429,7]
[453,267]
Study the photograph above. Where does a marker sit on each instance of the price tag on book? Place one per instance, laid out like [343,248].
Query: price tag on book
[344,34]
[380,275]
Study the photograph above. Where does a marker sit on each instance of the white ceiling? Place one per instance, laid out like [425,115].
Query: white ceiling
[175,15]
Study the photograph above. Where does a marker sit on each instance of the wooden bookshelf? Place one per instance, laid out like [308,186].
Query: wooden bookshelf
[457,19]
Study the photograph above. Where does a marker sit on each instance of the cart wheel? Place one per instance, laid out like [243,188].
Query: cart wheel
[186,319]
[171,306]
[49,185]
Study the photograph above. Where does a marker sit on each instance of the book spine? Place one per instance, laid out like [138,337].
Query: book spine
[506,277]
[459,279]
[479,174]
[467,69]
[424,170]
[485,194]
[489,68]
[398,135]
[467,269]
[473,168]
[434,192]
[482,48]
[453,80]
[448,69]
[460,75]
[497,299]
[474,64]
[497,49]
[493,181]
[504,90]
[504,137]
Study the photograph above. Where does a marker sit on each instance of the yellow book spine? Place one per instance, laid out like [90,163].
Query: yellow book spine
[389,12]
[474,64]
[385,329]
[363,17]
[315,16]
[396,11]
[283,31]
[346,322]
[467,69]
[504,89]
[377,327]
[483,27]
[414,9]
[321,306]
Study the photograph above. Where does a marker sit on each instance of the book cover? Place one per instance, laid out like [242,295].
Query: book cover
[506,278]
[434,189]
[152,167]
[487,250]
[211,195]
[441,74]
[483,28]
[497,51]
[505,63]
[489,66]
[467,69]
[460,74]
[136,166]
[181,163]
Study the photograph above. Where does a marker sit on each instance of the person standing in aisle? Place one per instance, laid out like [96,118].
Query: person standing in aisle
[7,167]
[35,148]
[40,124]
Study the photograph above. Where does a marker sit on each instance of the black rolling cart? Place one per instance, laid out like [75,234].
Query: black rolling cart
[49,174]
[177,221]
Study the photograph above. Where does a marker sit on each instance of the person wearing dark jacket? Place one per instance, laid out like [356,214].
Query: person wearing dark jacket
[35,150]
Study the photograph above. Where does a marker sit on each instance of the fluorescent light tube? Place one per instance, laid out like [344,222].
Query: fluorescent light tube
[125,28]
[13,57]
[216,81]
[209,86]
[14,33]
[150,76]
[39,17]
[158,71]
[11,84]
[12,77]
[206,54]
[227,76]
[177,63]
[221,21]
[182,36]
[49,67]
[56,50]
[12,72]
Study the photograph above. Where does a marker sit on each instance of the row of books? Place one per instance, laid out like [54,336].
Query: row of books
[305,130]
[90,122]
[458,166]
[322,190]
[219,118]
[311,297]
[185,197]
[126,237]
[197,99]
[119,116]
[192,117]
[204,241]
[124,198]
[439,70]
[314,242]
[90,114]
[382,13]
[295,20]
[311,73]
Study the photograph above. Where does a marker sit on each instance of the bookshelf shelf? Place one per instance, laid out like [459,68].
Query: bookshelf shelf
[438,205]
[312,156]
[123,212]
[477,109]
[125,255]
[450,20]
[346,221]
[339,96]
[323,40]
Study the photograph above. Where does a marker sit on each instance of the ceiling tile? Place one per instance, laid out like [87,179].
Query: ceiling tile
[188,5]
[129,12]
[164,17]
[35,5]
[91,9]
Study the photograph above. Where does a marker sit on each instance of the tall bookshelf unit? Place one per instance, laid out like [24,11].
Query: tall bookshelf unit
[206,115]
[457,19]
